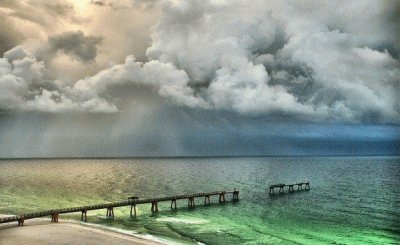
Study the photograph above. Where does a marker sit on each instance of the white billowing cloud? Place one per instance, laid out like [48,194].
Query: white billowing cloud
[18,71]
[24,86]
[310,60]
[213,43]
[197,36]
[243,86]
[365,81]
[54,101]
[165,77]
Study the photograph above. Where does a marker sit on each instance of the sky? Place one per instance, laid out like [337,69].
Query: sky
[103,78]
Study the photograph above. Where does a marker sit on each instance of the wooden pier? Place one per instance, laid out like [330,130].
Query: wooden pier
[290,187]
[132,202]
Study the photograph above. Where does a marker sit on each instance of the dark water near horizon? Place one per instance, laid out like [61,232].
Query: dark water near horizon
[353,200]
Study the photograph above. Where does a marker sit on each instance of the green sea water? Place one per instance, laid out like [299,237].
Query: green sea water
[353,200]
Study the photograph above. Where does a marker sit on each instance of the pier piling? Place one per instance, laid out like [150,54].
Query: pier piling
[154,206]
[84,215]
[299,186]
[222,197]
[21,221]
[207,200]
[132,201]
[54,217]
[110,212]
[235,195]
[191,203]
[173,202]
[133,207]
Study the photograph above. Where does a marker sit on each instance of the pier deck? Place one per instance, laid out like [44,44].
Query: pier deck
[132,201]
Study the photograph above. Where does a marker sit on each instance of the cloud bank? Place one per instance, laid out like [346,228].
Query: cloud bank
[308,60]
[24,86]
[286,57]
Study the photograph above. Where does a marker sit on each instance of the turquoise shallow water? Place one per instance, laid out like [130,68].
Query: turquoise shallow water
[353,200]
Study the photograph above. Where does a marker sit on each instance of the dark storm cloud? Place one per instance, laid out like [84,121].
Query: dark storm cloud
[76,44]
[184,132]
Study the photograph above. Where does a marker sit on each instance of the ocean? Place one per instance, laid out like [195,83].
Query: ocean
[352,200]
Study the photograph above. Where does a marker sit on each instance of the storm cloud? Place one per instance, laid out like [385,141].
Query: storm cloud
[171,77]
[310,61]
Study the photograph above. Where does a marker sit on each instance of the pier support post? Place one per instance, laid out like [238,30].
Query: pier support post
[84,215]
[222,197]
[207,200]
[300,186]
[235,195]
[110,212]
[281,189]
[154,206]
[191,202]
[173,202]
[133,207]
[271,190]
[21,220]
[291,188]
[54,217]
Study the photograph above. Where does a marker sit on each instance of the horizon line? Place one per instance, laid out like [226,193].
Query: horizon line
[189,156]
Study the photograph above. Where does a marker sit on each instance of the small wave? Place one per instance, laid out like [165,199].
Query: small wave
[183,220]
[128,233]
[6,215]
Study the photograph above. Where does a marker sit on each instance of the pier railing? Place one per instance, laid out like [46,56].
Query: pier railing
[130,202]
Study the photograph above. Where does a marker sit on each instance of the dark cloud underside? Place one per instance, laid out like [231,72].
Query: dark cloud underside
[185,133]
[76,44]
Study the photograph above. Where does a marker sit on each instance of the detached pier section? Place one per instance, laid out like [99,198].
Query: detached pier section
[132,202]
[281,187]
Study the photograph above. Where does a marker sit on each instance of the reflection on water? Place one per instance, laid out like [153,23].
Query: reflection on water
[353,200]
